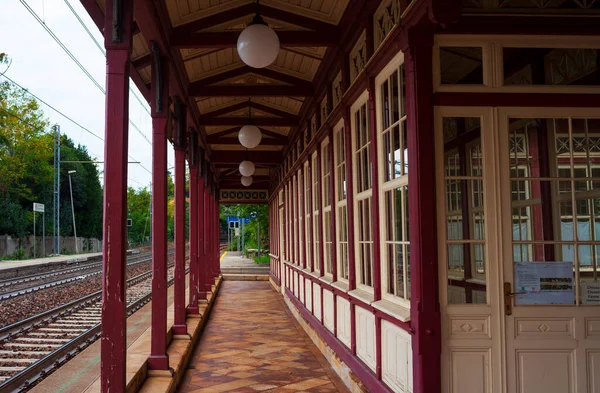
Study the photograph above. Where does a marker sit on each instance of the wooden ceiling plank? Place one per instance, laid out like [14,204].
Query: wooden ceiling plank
[237,156]
[228,39]
[216,19]
[242,121]
[281,141]
[197,90]
[265,72]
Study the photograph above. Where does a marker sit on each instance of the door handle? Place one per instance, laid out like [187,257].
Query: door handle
[508,294]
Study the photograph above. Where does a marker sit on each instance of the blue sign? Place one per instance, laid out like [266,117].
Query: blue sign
[245,220]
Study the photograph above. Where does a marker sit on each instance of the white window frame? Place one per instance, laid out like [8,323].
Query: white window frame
[387,186]
[339,204]
[316,214]
[363,195]
[307,197]
[326,202]
[493,60]
[300,204]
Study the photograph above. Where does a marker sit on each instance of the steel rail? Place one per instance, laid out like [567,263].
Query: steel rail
[46,365]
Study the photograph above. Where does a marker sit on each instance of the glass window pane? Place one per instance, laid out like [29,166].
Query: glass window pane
[550,66]
[465,222]
[461,65]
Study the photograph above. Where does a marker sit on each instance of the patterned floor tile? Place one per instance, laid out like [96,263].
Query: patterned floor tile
[252,343]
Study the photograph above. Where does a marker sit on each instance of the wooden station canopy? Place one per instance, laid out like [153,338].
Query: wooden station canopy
[200,38]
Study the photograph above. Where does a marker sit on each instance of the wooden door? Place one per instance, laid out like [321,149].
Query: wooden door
[549,176]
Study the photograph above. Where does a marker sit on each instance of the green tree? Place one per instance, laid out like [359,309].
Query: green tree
[25,157]
[251,229]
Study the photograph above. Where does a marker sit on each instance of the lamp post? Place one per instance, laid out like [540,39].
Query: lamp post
[73,210]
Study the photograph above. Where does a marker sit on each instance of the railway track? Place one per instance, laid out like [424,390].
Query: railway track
[31,349]
[27,284]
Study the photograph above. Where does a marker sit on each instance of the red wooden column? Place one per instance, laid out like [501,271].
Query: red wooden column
[207,230]
[194,260]
[159,96]
[117,42]
[424,312]
[201,234]
[179,326]
[217,233]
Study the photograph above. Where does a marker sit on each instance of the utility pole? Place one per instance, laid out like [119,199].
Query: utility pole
[56,235]
[73,211]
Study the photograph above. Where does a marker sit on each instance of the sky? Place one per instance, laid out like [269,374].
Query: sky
[40,65]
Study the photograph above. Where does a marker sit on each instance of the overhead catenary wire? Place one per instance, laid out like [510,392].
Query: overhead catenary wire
[99,46]
[74,58]
[64,115]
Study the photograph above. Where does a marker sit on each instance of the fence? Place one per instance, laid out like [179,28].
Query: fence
[10,246]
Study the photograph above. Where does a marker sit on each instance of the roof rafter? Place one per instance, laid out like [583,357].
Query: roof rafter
[281,141]
[236,156]
[250,9]
[198,90]
[242,121]
[255,105]
[228,39]
[264,72]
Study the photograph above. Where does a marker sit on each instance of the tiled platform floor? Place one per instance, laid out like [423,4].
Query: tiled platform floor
[253,344]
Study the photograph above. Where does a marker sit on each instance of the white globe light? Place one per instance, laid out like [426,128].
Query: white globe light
[258,45]
[247,168]
[249,136]
[246,180]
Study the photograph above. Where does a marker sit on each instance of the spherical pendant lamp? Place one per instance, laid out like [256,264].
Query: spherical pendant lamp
[250,136]
[246,180]
[258,44]
[247,168]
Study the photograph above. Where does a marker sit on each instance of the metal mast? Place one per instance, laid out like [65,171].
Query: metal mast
[56,235]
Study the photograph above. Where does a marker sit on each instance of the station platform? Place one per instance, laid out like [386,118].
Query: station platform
[236,267]
[250,343]
[253,343]
[5,265]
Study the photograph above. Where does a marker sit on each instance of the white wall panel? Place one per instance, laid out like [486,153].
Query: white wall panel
[317,301]
[343,320]
[365,337]
[309,295]
[328,316]
[396,357]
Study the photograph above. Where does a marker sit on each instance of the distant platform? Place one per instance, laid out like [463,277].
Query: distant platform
[4,265]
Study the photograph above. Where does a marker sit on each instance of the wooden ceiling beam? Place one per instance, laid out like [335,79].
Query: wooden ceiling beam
[228,39]
[265,72]
[282,141]
[250,10]
[237,156]
[272,134]
[228,109]
[224,132]
[198,90]
[242,121]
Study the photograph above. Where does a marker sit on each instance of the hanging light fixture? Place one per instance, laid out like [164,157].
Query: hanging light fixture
[250,136]
[247,180]
[258,44]
[247,167]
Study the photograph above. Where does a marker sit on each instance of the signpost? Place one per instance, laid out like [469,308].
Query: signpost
[39,207]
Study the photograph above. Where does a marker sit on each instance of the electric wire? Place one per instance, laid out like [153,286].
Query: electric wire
[99,46]
[74,58]
[65,116]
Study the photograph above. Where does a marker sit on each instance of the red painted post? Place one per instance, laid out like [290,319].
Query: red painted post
[194,251]
[179,327]
[200,238]
[207,240]
[424,311]
[159,359]
[114,327]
